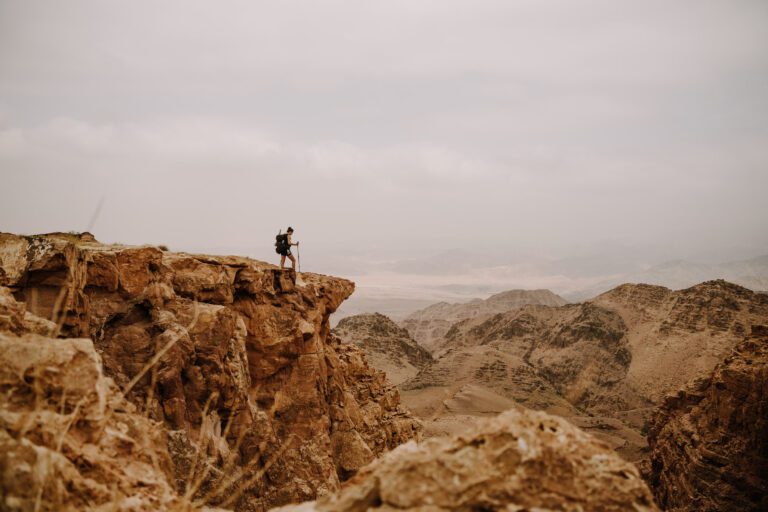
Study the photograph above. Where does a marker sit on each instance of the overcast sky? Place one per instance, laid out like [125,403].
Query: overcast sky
[392,128]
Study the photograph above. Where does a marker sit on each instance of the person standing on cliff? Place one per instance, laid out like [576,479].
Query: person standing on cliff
[284,243]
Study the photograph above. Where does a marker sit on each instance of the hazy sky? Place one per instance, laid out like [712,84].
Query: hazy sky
[389,128]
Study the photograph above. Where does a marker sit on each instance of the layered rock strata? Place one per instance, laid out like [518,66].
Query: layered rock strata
[232,356]
[709,441]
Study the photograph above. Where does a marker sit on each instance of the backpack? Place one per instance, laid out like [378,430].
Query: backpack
[281,243]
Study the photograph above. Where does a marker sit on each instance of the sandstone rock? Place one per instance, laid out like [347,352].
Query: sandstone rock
[519,460]
[387,346]
[232,355]
[709,441]
[16,319]
[68,440]
[13,258]
[11,312]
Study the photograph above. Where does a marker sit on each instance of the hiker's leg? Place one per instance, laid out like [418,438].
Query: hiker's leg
[293,261]
[282,261]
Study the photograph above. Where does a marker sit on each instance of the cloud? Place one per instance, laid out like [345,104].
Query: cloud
[404,125]
[172,145]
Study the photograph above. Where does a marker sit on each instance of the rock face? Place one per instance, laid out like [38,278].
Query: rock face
[68,439]
[232,356]
[15,319]
[605,363]
[429,325]
[519,460]
[709,441]
[387,346]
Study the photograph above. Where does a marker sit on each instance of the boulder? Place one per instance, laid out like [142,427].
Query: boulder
[519,460]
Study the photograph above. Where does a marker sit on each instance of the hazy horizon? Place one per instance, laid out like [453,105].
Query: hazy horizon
[445,144]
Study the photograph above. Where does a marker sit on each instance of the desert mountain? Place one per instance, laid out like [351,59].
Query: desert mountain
[709,441]
[387,346]
[181,380]
[604,363]
[428,326]
[400,289]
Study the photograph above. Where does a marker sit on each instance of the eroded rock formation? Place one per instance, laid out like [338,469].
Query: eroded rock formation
[709,441]
[388,347]
[232,356]
[519,460]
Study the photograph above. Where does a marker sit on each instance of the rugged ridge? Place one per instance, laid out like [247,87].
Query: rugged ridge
[709,441]
[604,363]
[232,356]
[428,326]
[388,347]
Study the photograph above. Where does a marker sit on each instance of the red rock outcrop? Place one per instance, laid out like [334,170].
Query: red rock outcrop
[519,460]
[709,441]
[232,356]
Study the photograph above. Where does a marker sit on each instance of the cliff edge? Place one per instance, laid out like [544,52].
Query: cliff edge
[232,357]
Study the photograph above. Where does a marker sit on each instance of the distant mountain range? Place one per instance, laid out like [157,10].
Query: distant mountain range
[751,273]
[605,363]
[401,289]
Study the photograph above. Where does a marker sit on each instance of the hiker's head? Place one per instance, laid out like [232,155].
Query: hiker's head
[289,230]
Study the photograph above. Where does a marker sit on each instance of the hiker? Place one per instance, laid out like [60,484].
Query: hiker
[283,247]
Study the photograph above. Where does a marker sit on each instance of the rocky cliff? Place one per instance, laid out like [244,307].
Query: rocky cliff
[709,441]
[387,346]
[231,357]
[428,326]
[519,460]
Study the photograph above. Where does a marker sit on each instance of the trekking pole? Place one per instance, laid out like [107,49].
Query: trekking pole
[298,256]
